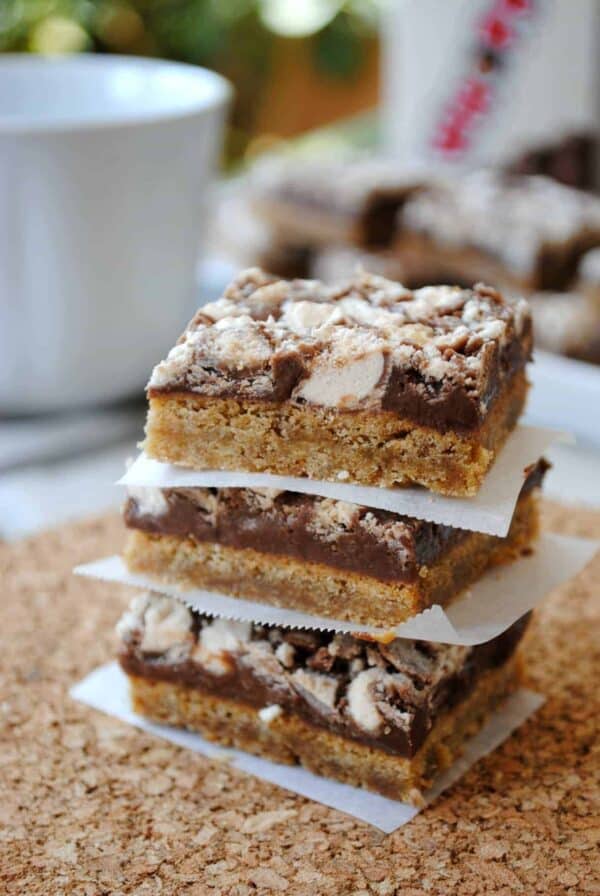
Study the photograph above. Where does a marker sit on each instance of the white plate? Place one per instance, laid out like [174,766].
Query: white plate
[566,394]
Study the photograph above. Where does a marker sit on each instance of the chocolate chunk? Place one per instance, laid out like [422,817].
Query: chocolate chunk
[346,647]
[305,640]
[321,661]
[288,368]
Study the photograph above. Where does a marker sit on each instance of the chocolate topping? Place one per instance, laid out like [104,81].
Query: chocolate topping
[387,546]
[439,355]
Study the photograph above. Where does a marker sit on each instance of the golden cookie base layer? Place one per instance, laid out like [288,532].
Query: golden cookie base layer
[323,590]
[290,740]
[376,448]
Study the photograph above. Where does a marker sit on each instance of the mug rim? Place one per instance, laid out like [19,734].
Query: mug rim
[219,93]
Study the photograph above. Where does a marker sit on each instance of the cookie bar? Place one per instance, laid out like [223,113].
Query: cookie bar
[525,233]
[368,382]
[387,717]
[313,554]
[311,204]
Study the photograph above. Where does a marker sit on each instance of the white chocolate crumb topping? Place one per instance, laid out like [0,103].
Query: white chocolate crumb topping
[566,323]
[162,625]
[341,347]
[361,700]
[150,500]
[345,187]
[375,687]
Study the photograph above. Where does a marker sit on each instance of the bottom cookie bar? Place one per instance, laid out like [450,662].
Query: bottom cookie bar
[387,717]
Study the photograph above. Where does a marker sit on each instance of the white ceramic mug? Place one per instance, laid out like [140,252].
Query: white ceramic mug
[105,163]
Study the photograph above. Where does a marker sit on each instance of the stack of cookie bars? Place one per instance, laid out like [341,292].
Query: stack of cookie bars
[368,383]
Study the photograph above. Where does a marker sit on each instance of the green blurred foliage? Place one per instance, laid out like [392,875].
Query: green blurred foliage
[234,37]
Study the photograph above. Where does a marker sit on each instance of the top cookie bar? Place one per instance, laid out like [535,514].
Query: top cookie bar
[368,382]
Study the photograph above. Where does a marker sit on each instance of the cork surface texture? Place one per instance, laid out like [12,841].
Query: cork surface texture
[88,805]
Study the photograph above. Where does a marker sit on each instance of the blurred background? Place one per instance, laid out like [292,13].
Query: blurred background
[294,66]
[93,217]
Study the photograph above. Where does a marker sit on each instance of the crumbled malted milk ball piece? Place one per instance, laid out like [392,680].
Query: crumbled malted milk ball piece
[167,625]
[322,688]
[331,517]
[268,714]
[217,639]
[285,653]
[150,500]
[589,268]
[361,700]
[160,624]
[334,384]
[302,317]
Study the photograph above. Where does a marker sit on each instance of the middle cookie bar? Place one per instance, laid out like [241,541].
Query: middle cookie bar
[313,554]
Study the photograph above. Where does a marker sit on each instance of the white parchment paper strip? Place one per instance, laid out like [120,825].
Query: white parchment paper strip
[106,689]
[489,511]
[497,600]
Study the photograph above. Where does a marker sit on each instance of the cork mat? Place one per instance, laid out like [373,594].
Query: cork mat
[89,805]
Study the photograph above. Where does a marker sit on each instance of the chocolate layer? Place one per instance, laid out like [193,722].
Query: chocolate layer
[386,546]
[422,689]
